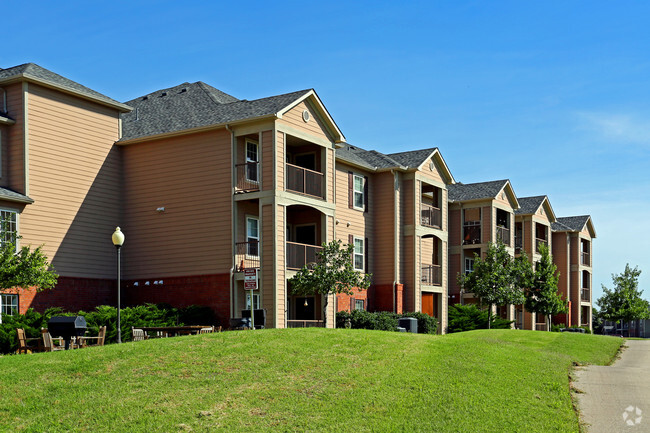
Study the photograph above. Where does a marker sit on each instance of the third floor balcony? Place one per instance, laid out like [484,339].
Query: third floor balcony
[431,275]
[430,216]
[472,233]
[305,181]
[503,235]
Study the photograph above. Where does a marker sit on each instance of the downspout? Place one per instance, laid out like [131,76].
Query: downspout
[396,240]
[231,280]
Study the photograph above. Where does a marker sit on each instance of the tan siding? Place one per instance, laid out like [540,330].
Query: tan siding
[329,179]
[293,118]
[249,208]
[190,176]
[281,159]
[280,290]
[432,174]
[384,231]
[455,227]
[13,175]
[409,204]
[266,147]
[409,277]
[268,273]
[529,235]
[486,230]
[73,175]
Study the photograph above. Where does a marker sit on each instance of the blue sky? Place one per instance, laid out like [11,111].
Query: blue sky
[552,95]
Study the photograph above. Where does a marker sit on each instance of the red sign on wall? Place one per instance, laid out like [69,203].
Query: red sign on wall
[250,279]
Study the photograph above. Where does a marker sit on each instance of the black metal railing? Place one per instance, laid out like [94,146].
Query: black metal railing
[539,242]
[305,181]
[585,295]
[299,255]
[430,216]
[248,177]
[503,235]
[585,258]
[471,234]
[432,275]
[247,255]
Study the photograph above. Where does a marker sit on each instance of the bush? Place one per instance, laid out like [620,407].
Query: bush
[426,323]
[556,328]
[384,320]
[470,317]
[104,315]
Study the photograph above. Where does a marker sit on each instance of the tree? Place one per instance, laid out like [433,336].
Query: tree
[624,302]
[542,295]
[24,268]
[495,279]
[332,273]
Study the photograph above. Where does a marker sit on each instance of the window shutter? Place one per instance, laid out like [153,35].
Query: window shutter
[351,242]
[350,190]
[365,255]
[365,193]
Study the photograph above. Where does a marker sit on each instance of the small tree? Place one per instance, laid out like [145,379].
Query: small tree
[494,280]
[542,295]
[24,268]
[333,273]
[624,302]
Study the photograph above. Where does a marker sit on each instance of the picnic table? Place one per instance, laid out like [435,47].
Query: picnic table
[174,330]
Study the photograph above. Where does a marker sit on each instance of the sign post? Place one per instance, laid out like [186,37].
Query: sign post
[251,283]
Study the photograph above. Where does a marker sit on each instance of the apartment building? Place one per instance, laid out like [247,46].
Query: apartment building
[573,255]
[205,186]
[533,222]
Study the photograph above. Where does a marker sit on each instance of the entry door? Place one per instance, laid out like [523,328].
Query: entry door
[428,304]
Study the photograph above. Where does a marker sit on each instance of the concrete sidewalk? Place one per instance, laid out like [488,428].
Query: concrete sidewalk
[617,398]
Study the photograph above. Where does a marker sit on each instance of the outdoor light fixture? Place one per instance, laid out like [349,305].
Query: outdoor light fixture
[118,240]
[306,304]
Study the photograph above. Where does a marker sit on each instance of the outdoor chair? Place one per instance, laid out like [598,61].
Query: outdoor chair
[162,334]
[207,330]
[48,341]
[99,339]
[23,342]
[138,334]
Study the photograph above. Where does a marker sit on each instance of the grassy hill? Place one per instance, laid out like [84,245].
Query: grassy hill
[304,380]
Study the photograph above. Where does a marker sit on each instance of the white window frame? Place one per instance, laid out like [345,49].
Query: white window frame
[363,305]
[257,160]
[3,213]
[362,254]
[3,304]
[256,301]
[249,237]
[469,265]
[356,193]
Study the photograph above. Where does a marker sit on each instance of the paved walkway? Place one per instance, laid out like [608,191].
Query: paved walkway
[617,398]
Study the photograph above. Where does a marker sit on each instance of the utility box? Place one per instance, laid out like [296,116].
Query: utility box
[410,323]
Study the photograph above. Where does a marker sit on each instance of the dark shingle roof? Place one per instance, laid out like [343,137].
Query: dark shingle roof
[529,205]
[7,194]
[413,158]
[570,224]
[32,70]
[475,191]
[194,105]
[370,159]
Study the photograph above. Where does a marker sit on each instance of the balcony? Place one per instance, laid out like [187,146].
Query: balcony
[503,235]
[539,242]
[585,295]
[247,255]
[432,275]
[471,234]
[305,324]
[248,176]
[298,255]
[305,181]
[540,327]
[519,244]
[585,259]
[430,216]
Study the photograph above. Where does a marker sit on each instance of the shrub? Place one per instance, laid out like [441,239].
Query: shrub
[470,317]
[426,323]
[556,328]
[384,320]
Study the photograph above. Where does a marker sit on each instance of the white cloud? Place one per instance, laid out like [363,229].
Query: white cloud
[620,127]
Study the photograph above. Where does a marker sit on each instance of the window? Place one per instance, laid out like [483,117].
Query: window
[359,304]
[8,304]
[469,265]
[252,160]
[358,192]
[252,236]
[359,254]
[8,227]
[256,301]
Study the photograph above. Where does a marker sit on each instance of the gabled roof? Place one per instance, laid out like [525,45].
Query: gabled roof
[195,105]
[482,191]
[33,72]
[530,206]
[574,224]
[9,195]
[413,158]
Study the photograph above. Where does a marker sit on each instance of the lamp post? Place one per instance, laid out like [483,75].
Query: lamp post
[118,240]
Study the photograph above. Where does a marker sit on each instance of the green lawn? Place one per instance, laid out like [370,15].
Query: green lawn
[304,380]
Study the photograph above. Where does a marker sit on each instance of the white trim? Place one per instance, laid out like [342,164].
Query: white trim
[247,159]
[355,192]
[362,254]
[248,236]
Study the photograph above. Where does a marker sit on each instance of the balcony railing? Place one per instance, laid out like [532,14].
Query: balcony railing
[585,259]
[247,255]
[503,235]
[519,244]
[471,234]
[305,181]
[432,275]
[540,326]
[585,295]
[430,216]
[299,255]
[539,242]
[248,177]
[305,324]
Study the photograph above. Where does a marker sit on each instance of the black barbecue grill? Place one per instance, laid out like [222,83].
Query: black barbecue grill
[67,327]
